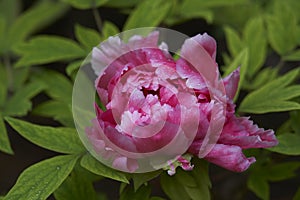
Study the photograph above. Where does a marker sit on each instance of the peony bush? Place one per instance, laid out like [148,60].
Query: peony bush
[133,99]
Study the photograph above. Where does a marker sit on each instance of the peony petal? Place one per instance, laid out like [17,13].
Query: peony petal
[208,43]
[242,132]
[227,156]
[125,164]
[231,83]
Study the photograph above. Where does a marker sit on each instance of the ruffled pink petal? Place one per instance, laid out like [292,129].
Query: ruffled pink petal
[229,157]
[231,83]
[242,132]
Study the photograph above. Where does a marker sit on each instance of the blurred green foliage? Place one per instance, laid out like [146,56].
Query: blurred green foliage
[254,30]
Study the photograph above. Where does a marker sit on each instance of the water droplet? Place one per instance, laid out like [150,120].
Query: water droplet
[58,167]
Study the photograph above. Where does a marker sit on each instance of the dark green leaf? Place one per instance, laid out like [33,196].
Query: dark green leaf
[9,10]
[85,4]
[77,186]
[289,144]
[142,193]
[121,3]
[297,195]
[46,49]
[20,75]
[191,5]
[35,18]
[3,85]
[148,13]
[4,140]
[93,165]
[282,171]
[294,56]
[59,111]
[40,180]
[172,188]
[140,179]
[19,104]
[89,38]
[258,184]
[274,96]
[63,140]
[2,34]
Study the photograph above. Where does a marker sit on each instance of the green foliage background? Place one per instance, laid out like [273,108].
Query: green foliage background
[263,37]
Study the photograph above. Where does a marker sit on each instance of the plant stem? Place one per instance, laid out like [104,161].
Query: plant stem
[97,17]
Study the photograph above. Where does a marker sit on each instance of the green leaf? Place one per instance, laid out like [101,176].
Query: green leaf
[196,4]
[281,26]
[121,3]
[72,67]
[274,96]
[57,110]
[58,86]
[254,36]
[4,140]
[46,49]
[63,140]
[234,42]
[2,34]
[9,10]
[194,184]
[33,19]
[259,185]
[89,38]
[77,186]
[20,75]
[140,179]
[109,29]
[142,193]
[148,13]
[40,180]
[3,85]
[85,4]
[289,144]
[297,195]
[93,165]
[282,171]
[19,104]
[293,56]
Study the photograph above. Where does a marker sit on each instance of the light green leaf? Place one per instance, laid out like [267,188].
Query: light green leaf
[109,29]
[77,186]
[59,111]
[234,42]
[254,37]
[19,104]
[191,5]
[148,13]
[93,165]
[4,140]
[140,179]
[40,180]
[46,49]
[85,4]
[273,96]
[89,38]
[72,67]
[63,140]
[289,144]
[58,86]
[281,26]
[259,185]
[294,56]
[142,193]
[33,19]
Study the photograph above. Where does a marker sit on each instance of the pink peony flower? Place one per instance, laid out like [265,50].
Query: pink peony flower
[158,109]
